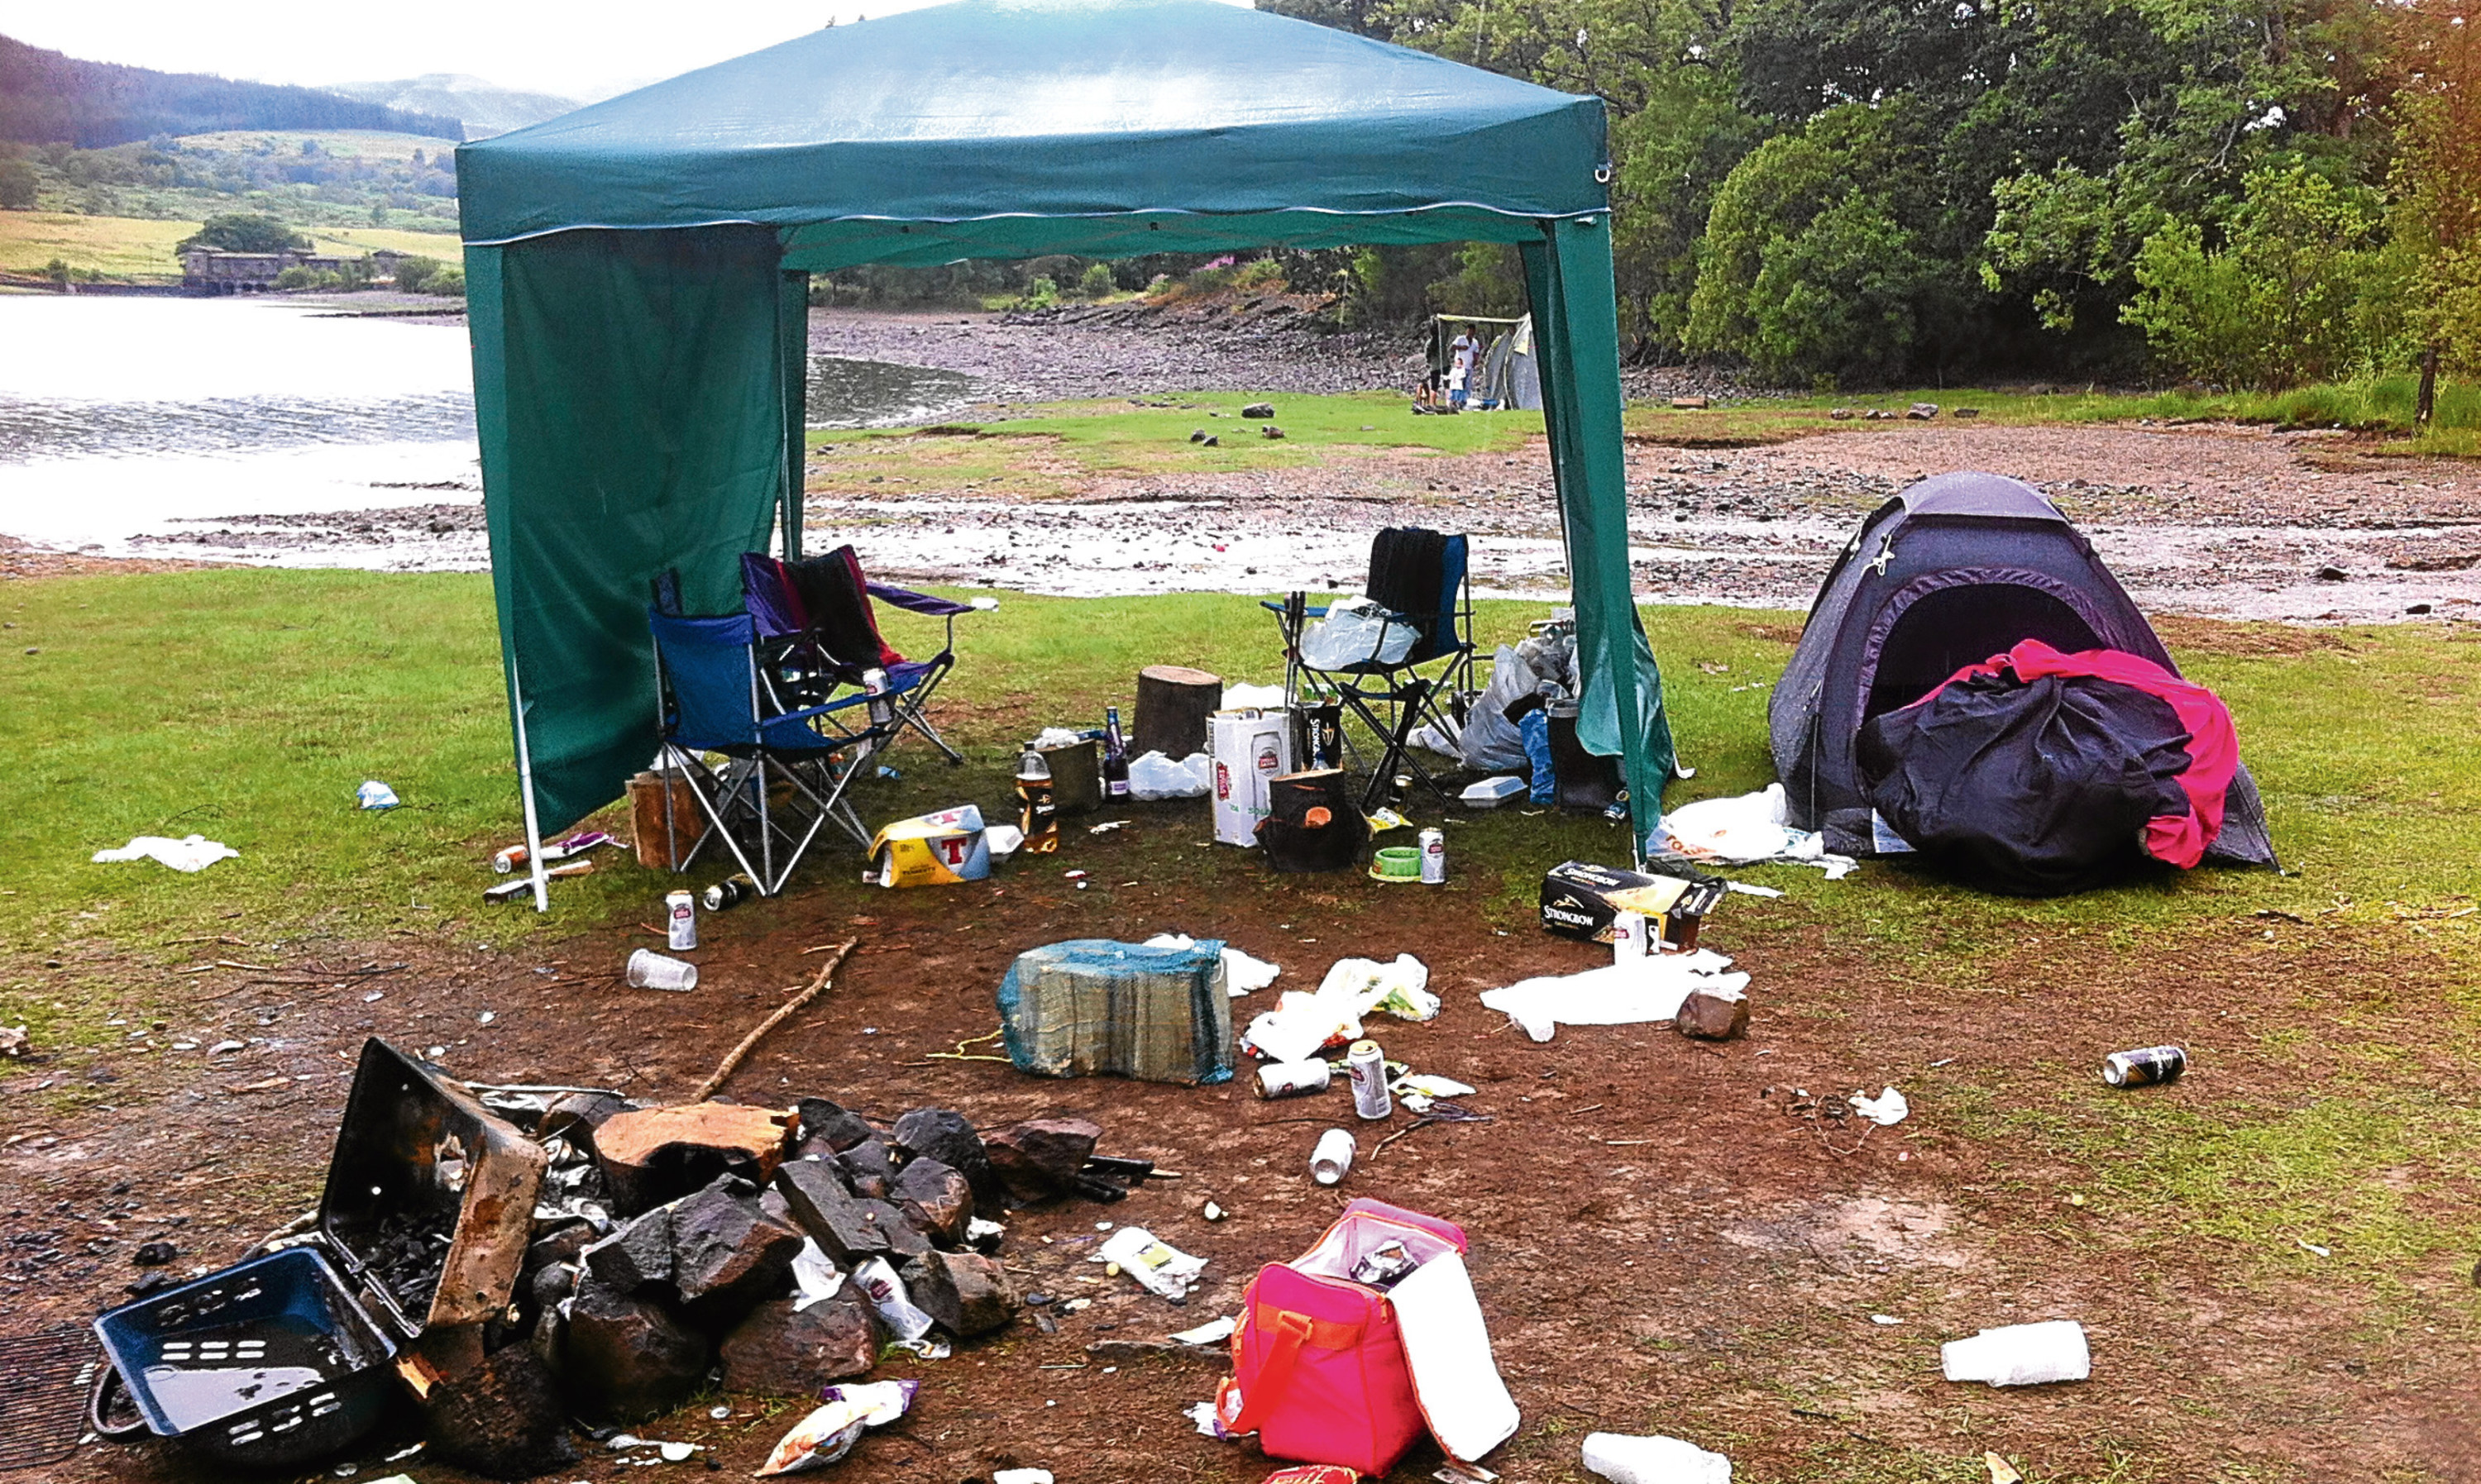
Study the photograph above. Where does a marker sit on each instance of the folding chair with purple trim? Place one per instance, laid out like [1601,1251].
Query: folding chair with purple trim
[818,612]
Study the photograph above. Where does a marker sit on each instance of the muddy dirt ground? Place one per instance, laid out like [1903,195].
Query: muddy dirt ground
[1659,1243]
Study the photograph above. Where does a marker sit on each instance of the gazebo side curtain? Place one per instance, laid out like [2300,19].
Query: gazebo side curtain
[639,396]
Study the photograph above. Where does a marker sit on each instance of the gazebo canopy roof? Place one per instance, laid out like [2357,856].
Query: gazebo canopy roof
[1104,127]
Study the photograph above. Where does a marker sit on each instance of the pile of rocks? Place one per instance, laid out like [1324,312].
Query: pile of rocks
[635,1311]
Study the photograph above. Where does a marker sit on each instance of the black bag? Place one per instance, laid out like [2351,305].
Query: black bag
[2034,789]
[1313,821]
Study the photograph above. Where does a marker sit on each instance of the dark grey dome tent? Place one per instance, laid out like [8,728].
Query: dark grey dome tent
[1949,573]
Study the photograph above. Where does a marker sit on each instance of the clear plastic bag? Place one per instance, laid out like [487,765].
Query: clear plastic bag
[1356,631]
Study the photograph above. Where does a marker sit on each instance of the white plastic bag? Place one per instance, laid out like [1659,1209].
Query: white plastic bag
[2020,1355]
[1353,631]
[1153,776]
[1491,743]
[1160,1267]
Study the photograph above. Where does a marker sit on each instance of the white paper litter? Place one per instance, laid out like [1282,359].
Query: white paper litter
[816,1278]
[1623,1459]
[1885,1109]
[1212,1333]
[190,853]
[1634,992]
[1302,1024]
[887,1295]
[1021,1476]
[1160,1267]
[1203,1414]
[1004,840]
[1418,1090]
[1746,830]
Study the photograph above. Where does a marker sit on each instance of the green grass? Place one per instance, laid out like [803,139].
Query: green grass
[136,249]
[1053,448]
[2380,407]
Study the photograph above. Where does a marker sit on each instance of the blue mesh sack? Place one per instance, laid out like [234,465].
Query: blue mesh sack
[1092,1006]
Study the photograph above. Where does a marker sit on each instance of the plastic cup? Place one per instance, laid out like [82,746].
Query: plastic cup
[650,970]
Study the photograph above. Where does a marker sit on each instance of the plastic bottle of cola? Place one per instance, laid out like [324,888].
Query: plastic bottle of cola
[1115,755]
[1041,817]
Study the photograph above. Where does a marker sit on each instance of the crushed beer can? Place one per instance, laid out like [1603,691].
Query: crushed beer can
[2145,1066]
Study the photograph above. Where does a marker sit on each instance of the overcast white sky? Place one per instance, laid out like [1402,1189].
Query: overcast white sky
[569,47]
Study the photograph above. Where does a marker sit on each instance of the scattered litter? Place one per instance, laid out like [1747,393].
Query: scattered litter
[650,970]
[375,794]
[190,853]
[886,1292]
[1637,992]
[1160,1269]
[221,1047]
[826,1435]
[1332,1157]
[1623,1459]
[2310,1246]
[931,850]
[1491,793]
[1021,1476]
[2001,1471]
[1203,1416]
[1457,1473]
[1106,827]
[374,996]
[1747,830]
[1746,890]
[816,1278]
[2020,1355]
[672,1453]
[486,1017]
[1884,1318]
[1153,776]
[1212,1333]
[14,1041]
[2144,1067]
[1212,1211]
[1419,1090]
[1303,1024]
[1887,1109]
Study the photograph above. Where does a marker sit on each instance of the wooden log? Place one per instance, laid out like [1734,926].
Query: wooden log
[654,1154]
[1173,703]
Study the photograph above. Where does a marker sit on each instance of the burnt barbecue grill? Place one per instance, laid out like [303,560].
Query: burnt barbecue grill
[284,1358]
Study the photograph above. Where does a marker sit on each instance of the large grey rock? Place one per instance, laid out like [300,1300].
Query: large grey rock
[938,1200]
[948,1137]
[1041,1158]
[777,1352]
[967,1293]
[627,1358]
[635,1257]
[869,1168]
[503,1418]
[727,1253]
[845,1227]
[840,1127]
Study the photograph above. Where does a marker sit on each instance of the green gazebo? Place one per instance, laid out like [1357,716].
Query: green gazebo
[637,277]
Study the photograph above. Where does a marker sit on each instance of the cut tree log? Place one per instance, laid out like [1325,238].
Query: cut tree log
[653,1155]
[1173,703]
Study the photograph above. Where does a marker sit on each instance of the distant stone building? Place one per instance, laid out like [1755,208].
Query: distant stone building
[207,270]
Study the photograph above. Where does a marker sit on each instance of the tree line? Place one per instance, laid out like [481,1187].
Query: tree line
[2250,192]
[46,98]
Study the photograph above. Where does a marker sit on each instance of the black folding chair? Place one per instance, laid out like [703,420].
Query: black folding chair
[1423,579]
[819,614]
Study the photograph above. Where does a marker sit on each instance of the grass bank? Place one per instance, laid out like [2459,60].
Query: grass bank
[137,249]
[1053,448]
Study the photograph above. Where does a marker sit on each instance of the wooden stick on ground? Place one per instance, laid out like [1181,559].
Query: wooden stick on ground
[732,1060]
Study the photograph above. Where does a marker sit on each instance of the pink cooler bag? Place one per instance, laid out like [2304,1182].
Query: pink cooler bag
[1317,1360]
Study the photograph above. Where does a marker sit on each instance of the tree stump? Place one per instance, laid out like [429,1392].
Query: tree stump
[1173,703]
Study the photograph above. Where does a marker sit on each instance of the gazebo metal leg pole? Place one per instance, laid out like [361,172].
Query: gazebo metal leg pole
[526,792]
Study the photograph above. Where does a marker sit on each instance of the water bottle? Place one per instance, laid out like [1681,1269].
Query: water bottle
[1115,755]
[1041,815]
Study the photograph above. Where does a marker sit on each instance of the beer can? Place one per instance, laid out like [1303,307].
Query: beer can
[1628,936]
[1368,1069]
[1332,1157]
[507,860]
[730,892]
[680,921]
[1434,857]
[2145,1066]
[1292,1079]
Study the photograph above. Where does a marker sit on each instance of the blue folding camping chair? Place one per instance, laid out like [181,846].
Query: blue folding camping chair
[815,618]
[714,698]
[1421,580]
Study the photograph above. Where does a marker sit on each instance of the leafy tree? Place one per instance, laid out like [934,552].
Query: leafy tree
[1096,282]
[18,185]
[2438,186]
[2302,291]
[243,231]
[414,273]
